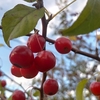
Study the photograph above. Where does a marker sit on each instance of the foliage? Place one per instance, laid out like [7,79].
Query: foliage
[19,21]
[71,68]
[88,20]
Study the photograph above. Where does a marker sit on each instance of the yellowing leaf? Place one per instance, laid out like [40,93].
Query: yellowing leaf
[73,38]
[79,89]
[1,45]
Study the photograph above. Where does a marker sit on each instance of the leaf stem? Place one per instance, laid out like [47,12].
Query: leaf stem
[62,9]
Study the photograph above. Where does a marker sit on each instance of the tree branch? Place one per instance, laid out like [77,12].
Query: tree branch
[14,81]
[78,51]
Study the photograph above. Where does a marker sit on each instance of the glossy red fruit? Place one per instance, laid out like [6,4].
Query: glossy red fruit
[50,87]
[30,72]
[95,88]
[0,73]
[21,56]
[15,71]
[36,42]
[18,95]
[63,45]
[45,60]
[3,83]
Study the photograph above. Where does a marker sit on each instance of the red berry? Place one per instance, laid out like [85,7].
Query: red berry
[29,72]
[36,42]
[15,71]
[63,45]
[21,56]
[50,87]
[45,60]
[18,95]
[95,88]
[3,83]
[0,73]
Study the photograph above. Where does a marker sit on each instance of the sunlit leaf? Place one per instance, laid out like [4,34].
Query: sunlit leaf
[79,89]
[19,21]
[29,0]
[88,21]
[36,93]
[73,38]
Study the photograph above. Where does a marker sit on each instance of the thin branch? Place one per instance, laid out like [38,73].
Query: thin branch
[62,9]
[2,98]
[44,32]
[78,51]
[0,27]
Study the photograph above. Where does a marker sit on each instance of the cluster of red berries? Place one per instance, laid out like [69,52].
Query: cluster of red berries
[2,82]
[95,88]
[25,64]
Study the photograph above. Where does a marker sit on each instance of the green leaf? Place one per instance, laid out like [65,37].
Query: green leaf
[2,90]
[79,89]
[36,93]
[29,0]
[20,21]
[88,21]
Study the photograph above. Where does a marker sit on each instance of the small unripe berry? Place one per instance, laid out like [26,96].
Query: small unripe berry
[3,83]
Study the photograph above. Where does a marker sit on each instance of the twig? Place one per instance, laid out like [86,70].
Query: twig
[14,81]
[62,9]
[2,98]
[0,27]
[78,51]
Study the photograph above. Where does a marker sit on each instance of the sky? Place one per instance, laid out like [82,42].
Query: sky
[5,50]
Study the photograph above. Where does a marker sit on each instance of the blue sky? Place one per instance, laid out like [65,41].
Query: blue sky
[5,51]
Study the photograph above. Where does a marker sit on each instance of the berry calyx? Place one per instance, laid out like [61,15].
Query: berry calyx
[29,72]
[63,45]
[36,42]
[95,88]
[18,95]
[15,71]
[45,60]
[3,83]
[21,56]
[50,87]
